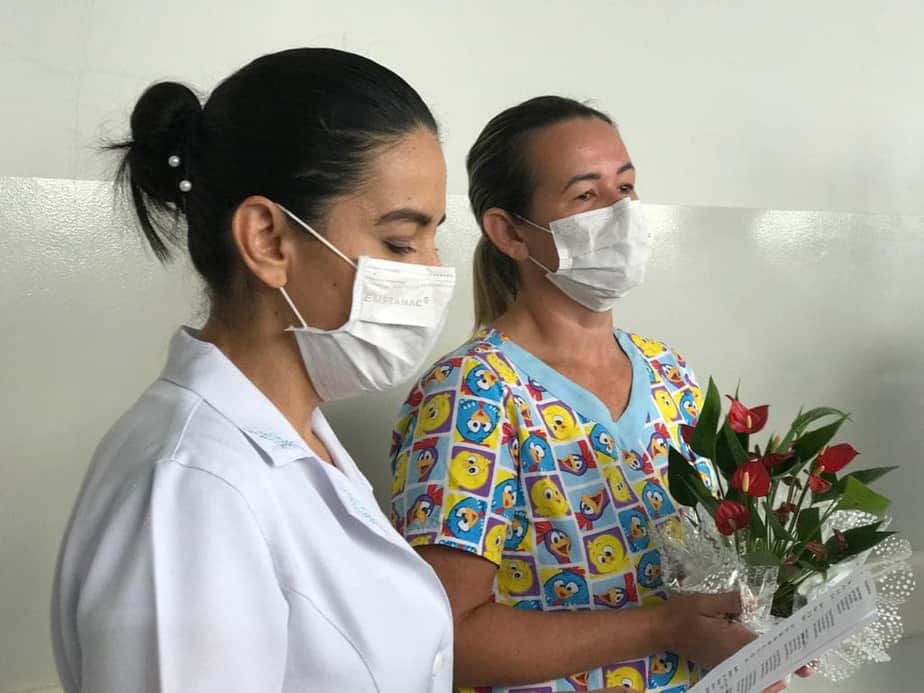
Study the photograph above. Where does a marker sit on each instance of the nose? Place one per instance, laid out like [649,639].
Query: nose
[431,258]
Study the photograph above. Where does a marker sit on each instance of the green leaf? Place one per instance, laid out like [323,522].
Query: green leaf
[786,469]
[726,458]
[813,442]
[858,540]
[762,558]
[704,435]
[685,483]
[859,496]
[803,420]
[808,525]
[867,476]
[779,532]
[758,529]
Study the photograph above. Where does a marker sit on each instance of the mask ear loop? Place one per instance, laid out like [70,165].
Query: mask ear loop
[541,228]
[323,240]
[314,233]
[292,306]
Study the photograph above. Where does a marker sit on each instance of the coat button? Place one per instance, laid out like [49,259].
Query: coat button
[438,663]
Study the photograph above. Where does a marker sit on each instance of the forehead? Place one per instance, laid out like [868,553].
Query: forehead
[408,173]
[572,147]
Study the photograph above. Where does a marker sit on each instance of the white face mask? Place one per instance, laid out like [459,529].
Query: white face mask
[398,312]
[602,254]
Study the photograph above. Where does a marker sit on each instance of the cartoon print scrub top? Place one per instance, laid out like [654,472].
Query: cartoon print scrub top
[498,454]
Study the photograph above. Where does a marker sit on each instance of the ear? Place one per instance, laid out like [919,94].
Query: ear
[263,239]
[503,230]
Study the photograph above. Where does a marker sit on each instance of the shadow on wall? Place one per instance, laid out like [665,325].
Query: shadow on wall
[804,307]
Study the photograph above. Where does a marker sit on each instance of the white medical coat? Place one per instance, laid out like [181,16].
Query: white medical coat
[211,551]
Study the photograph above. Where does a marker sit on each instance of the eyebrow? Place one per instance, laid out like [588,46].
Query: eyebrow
[628,166]
[415,216]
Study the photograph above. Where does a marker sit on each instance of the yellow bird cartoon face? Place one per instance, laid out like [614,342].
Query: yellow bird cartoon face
[618,486]
[666,404]
[494,543]
[560,422]
[469,470]
[627,677]
[548,499]
[649,347]
[501,367]
[399,478]
[435,411]
[514,577]
[607,554]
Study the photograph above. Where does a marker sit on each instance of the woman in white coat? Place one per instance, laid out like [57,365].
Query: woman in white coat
[223,539]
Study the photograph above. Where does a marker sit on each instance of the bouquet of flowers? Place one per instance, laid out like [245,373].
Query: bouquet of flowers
[782,522]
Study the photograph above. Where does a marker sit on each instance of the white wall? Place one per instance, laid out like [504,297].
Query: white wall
[792,104]
[786,105]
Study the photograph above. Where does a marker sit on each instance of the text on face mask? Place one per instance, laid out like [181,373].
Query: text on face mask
[396,300]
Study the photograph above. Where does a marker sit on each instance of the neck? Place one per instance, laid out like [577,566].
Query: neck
[259,346]
[555,328]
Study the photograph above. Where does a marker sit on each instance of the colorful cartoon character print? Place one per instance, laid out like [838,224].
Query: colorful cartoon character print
[435,412]
[556,540]
[566,588]
[560,422]
[656,499]
[536,454]
[426,455]
[649,570]
[515,576]
[592,508]
[518,532]
[635,528]
[422,508]
[548,499]
[602,442]
[607,554]
[476,420]
[505,493]
[469,469]
[627,676]
[661,669]
[465,518]
[618,596]
[482,381]
[688,408]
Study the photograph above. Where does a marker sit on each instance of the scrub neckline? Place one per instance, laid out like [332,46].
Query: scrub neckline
[577,396]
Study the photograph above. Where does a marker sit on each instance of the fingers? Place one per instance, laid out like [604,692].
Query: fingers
[804,672]
[776,688]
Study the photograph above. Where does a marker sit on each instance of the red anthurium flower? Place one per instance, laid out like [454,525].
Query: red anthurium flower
[817,549]
[784,511]
[744,420]
[841,540]
[730,517]
[776,459]
[686,432]
[753,478]
[818,484]
[835,457]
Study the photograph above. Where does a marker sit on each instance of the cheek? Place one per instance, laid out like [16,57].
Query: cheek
[322,289]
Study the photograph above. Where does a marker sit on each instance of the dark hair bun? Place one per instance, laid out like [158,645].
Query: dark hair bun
[162,124]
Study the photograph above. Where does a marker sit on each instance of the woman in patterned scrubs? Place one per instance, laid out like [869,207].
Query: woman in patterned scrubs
[530,464]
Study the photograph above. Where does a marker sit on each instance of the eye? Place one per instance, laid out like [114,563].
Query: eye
[627,188]
[399,248]
[586,196]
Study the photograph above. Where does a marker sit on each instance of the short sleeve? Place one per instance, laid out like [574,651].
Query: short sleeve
[190,601]
[453,459]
